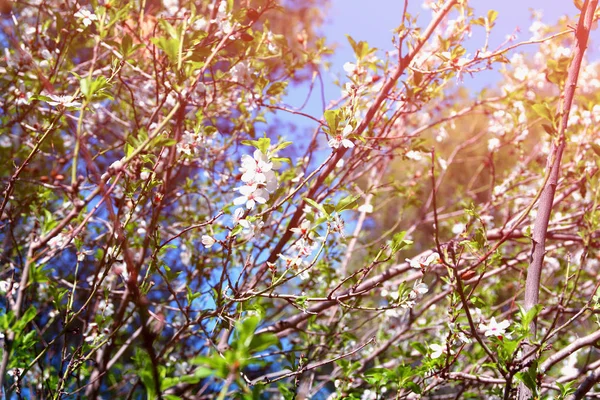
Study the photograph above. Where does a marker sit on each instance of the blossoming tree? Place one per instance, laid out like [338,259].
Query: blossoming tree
[165,237]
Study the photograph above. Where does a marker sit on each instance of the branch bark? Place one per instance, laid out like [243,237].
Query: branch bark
[538,248]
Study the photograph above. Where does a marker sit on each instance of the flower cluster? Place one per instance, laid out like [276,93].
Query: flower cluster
[259,180]
[302,248]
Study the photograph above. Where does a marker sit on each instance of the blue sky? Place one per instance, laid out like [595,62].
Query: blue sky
[374,20]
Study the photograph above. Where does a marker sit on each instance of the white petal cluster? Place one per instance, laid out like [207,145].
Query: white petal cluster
[259,180]
[342,139]
[494,328]
[63,101]
[416,263]
[86,17]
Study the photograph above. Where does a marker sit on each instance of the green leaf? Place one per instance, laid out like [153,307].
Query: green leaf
[333,119]
[126,45]
[237,229]
[25,319]
[91,88]
[281,146]
[48,222]
[413,386]
[398,242]
[144,368]
[316,205]
[529,378]
[203,372]
[491,17]
[169,46]
[276,88]
[417,77]
[352,42]
[528,316]
[347,203]
[170,29]
[84,85]
[211,365]
[244,330]
[262,342]
[543,110]
[549,129]
[420,347]
[40,97]
[261,144]
[162,140]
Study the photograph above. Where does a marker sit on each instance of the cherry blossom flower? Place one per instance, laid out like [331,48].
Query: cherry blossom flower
[5,141]
[303,247]
[238,216]
[494,328]
[63,101]
[339,225]
[418,288]
[352,69]
[368,395]
[414,155]
[208,241]
[251,195]
[408,304]
[464,338]
[251,229]
[418,264]
[86,17]
[293,262]
[22,98]
[5,285]
[188,143]
[172,6]
[304,275]
[258,169]
[570,366]
[14,372]
[185,255]
[436,350]
[58,242]
[493,144]
[303,229]
[458,228]
[342,138]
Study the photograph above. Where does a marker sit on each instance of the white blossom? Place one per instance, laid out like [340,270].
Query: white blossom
[208,241]
[494,328]
[251,195]
[63,101]
[464,338]
[5,141]
[458,228]
[342,138]
[414,155]
[420,263]
[493,144]
[258,169]
[436,350]
[418,288]
[86,17]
